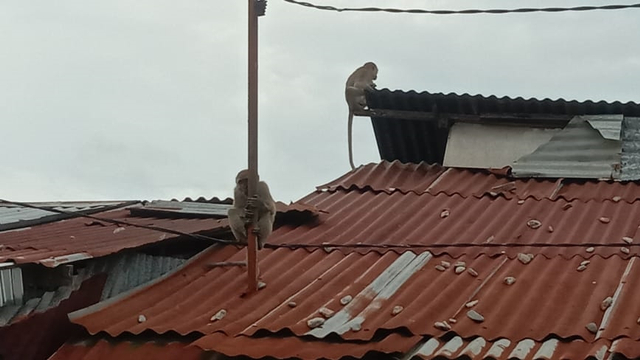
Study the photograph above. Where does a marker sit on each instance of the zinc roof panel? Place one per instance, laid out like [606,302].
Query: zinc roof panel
[44,243]
[305,349]
[549,297]
[402,221]
[432,179]
[127,350]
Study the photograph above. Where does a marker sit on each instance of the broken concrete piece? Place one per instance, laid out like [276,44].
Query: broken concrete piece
[445,264]
[445,213]
[326,312]
[590,249]
[534,224]
[142,318]
[625,250]
[472,272]
[442,325]
[475,316]
[627,240]
[315,322]
[525,258]
[592,327]
[292,304]
[605,220]
[397,310]
[345,300]
[219,315]
[459,269]
[509,280]
[606,303]
[471,304]
[582,268]
[440,268]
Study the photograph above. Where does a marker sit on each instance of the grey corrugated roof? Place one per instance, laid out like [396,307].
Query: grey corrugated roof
[630,149]
[416,141]
[182,209]
[578,151]
[15,216]
[124,272]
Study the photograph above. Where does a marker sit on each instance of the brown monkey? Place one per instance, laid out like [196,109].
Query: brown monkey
[261,207]
[359,81]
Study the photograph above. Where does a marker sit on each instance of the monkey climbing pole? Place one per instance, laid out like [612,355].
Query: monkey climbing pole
[255,8]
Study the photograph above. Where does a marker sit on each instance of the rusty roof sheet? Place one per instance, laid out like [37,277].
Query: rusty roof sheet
[479,348]
[388,177]
[126,350]
[80,238]
[304,348]
[458,226]
[395,176]
[16,216]
[534,307]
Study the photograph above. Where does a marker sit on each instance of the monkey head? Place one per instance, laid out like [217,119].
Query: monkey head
[372,69]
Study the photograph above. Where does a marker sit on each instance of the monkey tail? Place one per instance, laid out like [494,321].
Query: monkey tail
[350,138]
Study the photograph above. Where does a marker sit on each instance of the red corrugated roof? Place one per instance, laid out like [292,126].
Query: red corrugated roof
[50,244]
[549,296]
[401,292]
[126,350]
[433,179]
[456,226]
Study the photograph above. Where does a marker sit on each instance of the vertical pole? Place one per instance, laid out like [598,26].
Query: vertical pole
[252,246]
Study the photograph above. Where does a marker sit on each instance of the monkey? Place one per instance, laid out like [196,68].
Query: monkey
[359,81]
[261,206]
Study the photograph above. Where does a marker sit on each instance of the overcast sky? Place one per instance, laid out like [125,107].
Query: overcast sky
[146,99]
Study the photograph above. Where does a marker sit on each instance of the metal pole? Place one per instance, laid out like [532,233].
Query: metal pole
[252,246]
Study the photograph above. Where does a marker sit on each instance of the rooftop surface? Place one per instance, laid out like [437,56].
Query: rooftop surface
[396,251]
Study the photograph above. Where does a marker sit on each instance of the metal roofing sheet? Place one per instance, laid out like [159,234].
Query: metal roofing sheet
[80,238]
[127,350]
[388,177]
[304,348]
[630,149]
[456,226]
[416,141]
[13,216]
[391,293]
[479,348]
[577,151]
[432,179]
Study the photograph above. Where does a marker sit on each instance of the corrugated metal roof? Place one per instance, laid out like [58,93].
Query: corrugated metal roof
[13,216]
[40,334]
[577,151]
[455,225]
[182,208]
[80,238]
[415,141]
[534,307]
[395,176]
[630,149]
[528,349]
[127,350]
[125,271]
[292,347]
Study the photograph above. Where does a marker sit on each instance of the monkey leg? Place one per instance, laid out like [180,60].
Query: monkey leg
[237,224]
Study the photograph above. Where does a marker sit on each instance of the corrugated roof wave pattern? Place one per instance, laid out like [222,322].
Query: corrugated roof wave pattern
[304,348]
[456,226]
[15,216]
[479,104]
[395,176]
[63,241]
[127,350]
[503,349]
[390,292]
